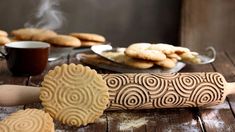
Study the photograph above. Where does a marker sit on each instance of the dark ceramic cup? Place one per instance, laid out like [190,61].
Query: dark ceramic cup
[26,57]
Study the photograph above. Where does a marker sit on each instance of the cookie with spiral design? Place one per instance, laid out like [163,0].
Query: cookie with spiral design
[29,120]
[74,94]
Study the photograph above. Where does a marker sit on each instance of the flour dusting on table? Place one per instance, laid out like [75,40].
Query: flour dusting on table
[130,124]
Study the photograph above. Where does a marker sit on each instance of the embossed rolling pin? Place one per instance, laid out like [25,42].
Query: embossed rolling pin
[142,91]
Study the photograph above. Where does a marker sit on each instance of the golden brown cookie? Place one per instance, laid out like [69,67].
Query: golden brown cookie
[3,33]
[74,94]
[191,57]
[167,63]
[142,51]
[29,120]
[25,33]
[89,37]
[136,63]
[4,40]
[180,50]
[64,40]
[43,35]
[173,56]
[165,48]
[89,43]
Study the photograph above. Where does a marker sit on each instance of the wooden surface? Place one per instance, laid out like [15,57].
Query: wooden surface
[208,23]
[217,118]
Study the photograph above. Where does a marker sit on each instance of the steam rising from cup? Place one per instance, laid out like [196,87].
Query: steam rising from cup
[47,16]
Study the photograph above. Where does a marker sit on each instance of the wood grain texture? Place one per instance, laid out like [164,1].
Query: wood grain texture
[216,118]
[208,23]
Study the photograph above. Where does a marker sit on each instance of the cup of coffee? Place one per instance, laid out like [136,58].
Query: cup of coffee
[26,57]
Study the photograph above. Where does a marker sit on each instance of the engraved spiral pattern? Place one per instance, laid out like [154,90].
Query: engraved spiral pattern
[170,99]
[132,96]
[149,91]
[185,84]
[74,94]
[157,86]
[28,120]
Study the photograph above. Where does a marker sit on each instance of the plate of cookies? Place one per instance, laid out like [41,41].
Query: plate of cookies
[61,44]
[147,57]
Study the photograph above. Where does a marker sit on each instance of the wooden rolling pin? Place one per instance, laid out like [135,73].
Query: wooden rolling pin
[144,91]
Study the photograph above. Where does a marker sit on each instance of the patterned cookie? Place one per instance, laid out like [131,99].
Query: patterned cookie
[29,120]
[89,37]
[43,35]
[3,33]
[25,33]
[74,94]
[167,63]
[4,40]
[64,40]
[89,43]
[165,48]
[142,51]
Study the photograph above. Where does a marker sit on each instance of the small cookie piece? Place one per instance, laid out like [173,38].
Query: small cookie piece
[25,33]
[74,94]
[165,48]
[142,51]
[64,40]
[4,40]
[89,37]
[89,43]
[43,35]
[167,63]
[3,33]
[29,120]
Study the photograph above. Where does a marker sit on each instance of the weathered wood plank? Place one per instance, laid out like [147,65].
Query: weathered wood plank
[220,118]
[208,23]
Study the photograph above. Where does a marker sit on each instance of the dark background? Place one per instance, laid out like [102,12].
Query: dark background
[121,21]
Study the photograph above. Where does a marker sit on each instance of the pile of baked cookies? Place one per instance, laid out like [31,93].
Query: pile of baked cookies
[49,36]
[146,55]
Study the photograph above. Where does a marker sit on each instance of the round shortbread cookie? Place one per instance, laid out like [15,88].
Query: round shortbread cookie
[165,48]
[29,120]
[89,37]
[167,63]
[4,40]
[25,33]
[43,35]
[174,56]
[74,94]
[142,51]
[136,63]
[64,40]
[181,50]
[89,43]
[3,33]
[191,57]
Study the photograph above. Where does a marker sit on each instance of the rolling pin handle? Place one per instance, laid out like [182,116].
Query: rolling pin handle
[230,88]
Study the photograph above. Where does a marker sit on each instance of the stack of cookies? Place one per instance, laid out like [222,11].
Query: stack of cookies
[3,38]
[89,39]
[146,55]
[49,36]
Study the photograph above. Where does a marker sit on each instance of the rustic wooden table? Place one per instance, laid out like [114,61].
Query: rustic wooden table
[218,118]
